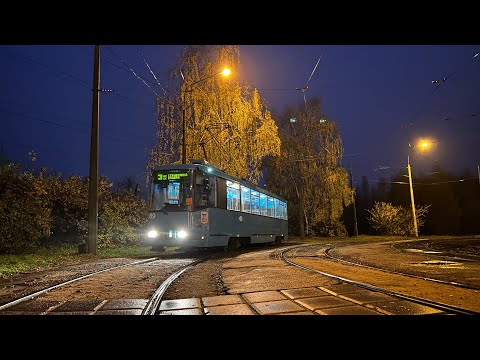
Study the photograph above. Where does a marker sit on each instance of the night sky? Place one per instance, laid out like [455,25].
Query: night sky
[382,96]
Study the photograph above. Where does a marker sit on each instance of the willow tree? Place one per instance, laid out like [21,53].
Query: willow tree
[228,123]
[308,171]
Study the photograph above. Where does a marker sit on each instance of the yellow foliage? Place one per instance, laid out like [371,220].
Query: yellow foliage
[308,172]
[226,122]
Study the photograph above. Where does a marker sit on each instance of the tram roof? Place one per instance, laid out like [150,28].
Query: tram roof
[210,169]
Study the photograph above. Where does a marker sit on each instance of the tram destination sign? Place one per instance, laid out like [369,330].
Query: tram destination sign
[169,176]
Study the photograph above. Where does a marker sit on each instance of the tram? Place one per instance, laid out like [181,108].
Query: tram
[198,206]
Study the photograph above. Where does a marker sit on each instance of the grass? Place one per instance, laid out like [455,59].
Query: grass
[60,256]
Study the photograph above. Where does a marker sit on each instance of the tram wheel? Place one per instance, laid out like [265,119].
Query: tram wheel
[233,244]
[279,240]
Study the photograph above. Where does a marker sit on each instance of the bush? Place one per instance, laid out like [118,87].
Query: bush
[24,210]
[41,209]
[387,219]
[69,203]
[119,220]
[330,230]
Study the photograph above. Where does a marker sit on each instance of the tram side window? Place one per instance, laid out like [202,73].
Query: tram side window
[233,196]
[276,207]
[285,212]
[263,204]
[271,210]
[255,202]
[281,210]
[212,195]
[246,207]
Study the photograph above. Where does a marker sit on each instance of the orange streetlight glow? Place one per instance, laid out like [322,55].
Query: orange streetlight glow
[226,72]
[424,143]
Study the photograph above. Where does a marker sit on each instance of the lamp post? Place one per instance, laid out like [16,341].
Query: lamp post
[415,228]
[224,72]
[423,144]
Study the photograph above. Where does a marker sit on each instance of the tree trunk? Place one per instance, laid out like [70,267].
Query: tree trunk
[301,216]
[306,220]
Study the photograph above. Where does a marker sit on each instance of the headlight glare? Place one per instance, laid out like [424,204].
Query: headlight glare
[182,234]
[152,234]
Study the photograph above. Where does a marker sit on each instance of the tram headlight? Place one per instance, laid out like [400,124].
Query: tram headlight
[152,234]
[182,234]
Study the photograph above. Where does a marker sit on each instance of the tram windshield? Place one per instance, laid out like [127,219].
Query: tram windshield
[171,190]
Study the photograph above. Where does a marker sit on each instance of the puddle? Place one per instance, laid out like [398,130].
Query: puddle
[436,262]
[423,251]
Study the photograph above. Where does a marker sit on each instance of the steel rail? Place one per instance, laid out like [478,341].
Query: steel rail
[156,298]
[437,305]
[43,291]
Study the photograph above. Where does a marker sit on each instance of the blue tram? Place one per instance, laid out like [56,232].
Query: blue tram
[198,206]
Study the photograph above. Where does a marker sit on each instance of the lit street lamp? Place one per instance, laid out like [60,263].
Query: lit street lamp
[415,228]
[225,72]
[423,145]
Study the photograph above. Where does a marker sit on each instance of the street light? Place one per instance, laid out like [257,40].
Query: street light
[415,228]
[424,144]
[225,72]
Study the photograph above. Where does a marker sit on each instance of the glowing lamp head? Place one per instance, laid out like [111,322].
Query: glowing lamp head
[225,72]
[424,143]
[182,234]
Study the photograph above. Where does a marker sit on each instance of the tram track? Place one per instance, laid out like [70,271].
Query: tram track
[416,294]
[103,288]
[447,309]
[452,283]
[70,281]
[152,306]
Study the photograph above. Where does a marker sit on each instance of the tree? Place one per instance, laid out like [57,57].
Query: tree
[364,202]
[468,193]
[308,173]
[228,123]
[388,219]
[436,188]
[127,184]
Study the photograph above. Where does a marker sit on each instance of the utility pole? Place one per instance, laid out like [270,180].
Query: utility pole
[93,179]
[184,130]
[478,169]
[415,228]
[353,202]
